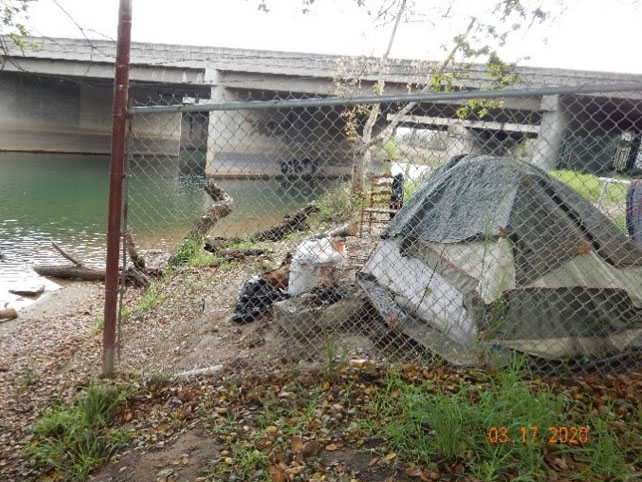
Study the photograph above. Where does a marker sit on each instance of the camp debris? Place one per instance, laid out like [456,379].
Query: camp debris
[492,253]
[255,300]
[309,261]
[309,271]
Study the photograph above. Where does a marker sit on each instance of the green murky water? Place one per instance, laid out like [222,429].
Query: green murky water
[63,198]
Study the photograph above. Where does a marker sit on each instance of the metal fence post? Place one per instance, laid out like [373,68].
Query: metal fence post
[119,112]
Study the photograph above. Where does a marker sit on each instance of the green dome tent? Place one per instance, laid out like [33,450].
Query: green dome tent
[492,252]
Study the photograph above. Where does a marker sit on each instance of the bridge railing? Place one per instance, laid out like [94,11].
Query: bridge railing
[517,232]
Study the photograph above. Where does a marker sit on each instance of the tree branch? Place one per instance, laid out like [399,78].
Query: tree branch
[66,255]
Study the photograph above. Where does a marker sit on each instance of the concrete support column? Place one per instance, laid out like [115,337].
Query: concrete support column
[219,132]
[551,133]
[460,141]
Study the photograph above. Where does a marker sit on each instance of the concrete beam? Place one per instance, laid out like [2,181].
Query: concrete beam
[92,70]
[294,64]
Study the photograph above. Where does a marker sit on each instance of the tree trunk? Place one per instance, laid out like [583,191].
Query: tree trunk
[364,157]
[360,172]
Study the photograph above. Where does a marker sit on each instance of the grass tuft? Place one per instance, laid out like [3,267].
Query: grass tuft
[336,205]
[71,441]
[423,423]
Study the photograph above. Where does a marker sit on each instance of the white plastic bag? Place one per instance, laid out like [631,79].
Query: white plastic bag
[309,257]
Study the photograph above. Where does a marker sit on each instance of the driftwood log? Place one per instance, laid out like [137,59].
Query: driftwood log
[70,272]
[291,222]
[78,270]
[222,206]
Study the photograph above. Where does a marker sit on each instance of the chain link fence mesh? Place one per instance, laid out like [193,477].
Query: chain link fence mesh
[476,227]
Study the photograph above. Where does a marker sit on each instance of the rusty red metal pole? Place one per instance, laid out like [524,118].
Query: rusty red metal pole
[116,174]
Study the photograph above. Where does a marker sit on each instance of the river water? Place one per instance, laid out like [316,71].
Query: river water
[63,198]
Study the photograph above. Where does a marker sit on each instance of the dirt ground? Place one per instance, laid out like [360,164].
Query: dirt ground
[54,347]
[184,459]
[189,457]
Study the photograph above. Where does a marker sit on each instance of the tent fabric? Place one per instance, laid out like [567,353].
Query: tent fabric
[494,250]
[420,291]
[482,197]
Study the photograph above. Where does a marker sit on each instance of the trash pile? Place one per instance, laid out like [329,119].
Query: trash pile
[303,291]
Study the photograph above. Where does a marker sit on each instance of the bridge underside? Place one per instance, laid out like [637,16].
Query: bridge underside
[65,114]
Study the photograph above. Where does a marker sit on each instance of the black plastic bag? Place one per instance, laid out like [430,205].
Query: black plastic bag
[256,299]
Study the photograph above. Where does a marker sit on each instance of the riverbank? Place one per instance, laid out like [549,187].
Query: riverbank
[179,323]
[47,352]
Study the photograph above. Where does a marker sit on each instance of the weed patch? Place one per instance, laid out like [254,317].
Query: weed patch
[499,429]
[72,440]
[191,253]
[336,205]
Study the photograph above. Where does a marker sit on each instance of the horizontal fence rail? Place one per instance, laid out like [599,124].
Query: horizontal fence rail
[420,97]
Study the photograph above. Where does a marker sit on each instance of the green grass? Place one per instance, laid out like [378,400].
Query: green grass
[334,360]
[246,244]
[589,186]
[191,253]
[336,205]
[153,297]
[424,424]
[99,324]
[72,440]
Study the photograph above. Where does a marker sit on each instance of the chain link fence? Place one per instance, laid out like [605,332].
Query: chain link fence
[439,227]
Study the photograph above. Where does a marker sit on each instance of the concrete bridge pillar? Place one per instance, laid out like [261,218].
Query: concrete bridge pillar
[219,125]
[551,133]
[242,142]
[460,140]
[255,143]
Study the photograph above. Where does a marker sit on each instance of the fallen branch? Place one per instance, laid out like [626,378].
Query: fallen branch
[134,274]
[291,222]
[66,255]
[82,273]
[241,253]
[137,277]
[217,246]
[214,245]
[137,259]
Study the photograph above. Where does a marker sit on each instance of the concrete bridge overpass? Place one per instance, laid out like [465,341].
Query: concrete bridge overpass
[56,93]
